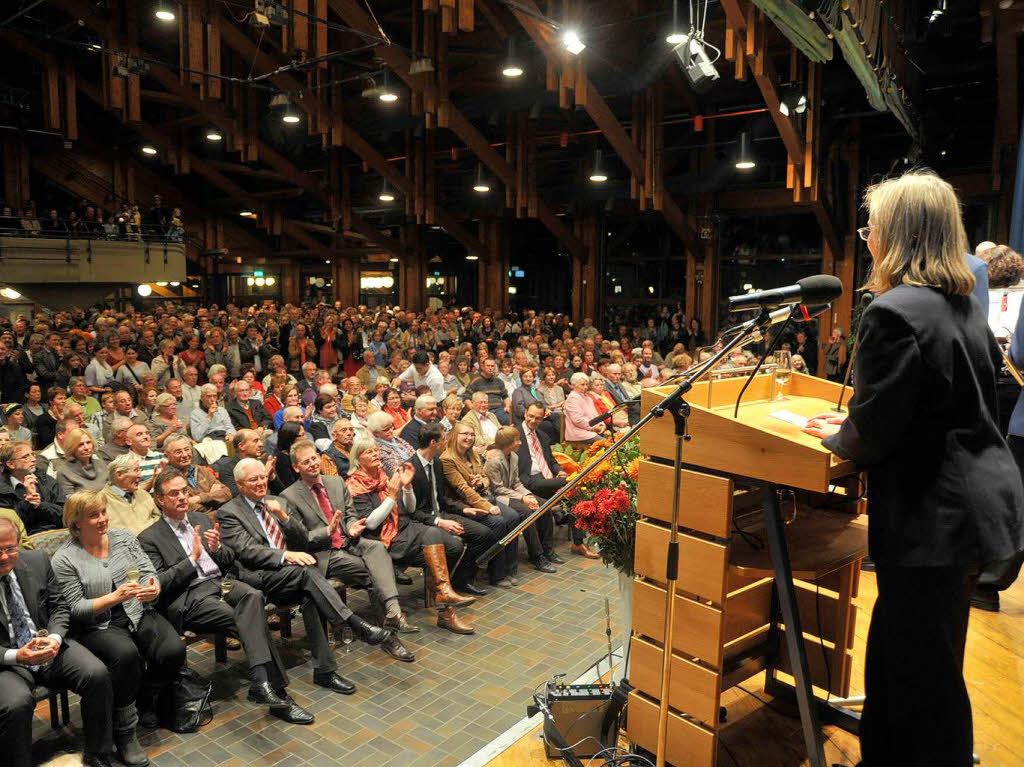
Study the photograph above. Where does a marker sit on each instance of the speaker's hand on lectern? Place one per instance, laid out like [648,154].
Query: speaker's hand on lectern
[824,425]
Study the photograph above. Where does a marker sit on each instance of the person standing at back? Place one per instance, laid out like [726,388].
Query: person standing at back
[945,494]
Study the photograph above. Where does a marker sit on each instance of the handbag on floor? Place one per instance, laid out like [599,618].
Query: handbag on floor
[184,705]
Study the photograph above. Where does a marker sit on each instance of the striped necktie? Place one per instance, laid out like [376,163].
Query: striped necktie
[273,528]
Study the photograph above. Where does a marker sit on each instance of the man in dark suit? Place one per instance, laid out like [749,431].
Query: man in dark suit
[253,351]
[246,413]
[248,444]
[424,412]
[322,503]
[434,501]
[191,563]
[541,473]
[31,599]
[48,363]
[13,383]
[270,544]
[34,494]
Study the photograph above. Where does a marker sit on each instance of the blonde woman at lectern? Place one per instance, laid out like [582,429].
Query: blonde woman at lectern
[944,493]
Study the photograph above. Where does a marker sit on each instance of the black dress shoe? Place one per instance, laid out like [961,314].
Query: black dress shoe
[334,683]
[471,588]
[402,578]
[367,632]
[544,566]
[263,693]
[985,599]
[95,760]
[292,712]
[554,559]
[393,646]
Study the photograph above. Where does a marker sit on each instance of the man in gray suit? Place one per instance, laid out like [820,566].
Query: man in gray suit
[270,548]
[325,506]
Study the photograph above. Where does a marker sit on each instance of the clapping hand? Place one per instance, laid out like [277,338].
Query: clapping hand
[270,466]
[357,528]
[332,526]
[32,497]
[212,538]
[197,544]
[274,507]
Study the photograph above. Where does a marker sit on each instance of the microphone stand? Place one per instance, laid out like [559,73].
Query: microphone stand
[676,405]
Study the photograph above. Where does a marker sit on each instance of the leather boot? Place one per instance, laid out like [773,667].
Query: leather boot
[447,619]
[444,594]
[129,750]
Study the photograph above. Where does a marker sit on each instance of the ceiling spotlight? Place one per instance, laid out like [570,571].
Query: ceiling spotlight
[597,173]
[472,257]
[793,101]
[290,116]
[745,159]
[281,100]
[260,281]
[387,95]
[394,259]
[247,214]
[162,284]
[144,290]
[481,184]
[327,260]
[10,293]
[213,135]
[175,284]
[385,193]
[572,42]
[95,47]
[938,13]
[250,281]
[149,149]
[164,12]
[269,281]
[676,35]
[512,67]
[1005,5]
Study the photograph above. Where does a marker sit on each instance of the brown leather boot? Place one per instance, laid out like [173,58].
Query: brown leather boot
[444,594]
[447,619]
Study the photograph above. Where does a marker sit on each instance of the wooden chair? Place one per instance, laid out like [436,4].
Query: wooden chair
[49,541]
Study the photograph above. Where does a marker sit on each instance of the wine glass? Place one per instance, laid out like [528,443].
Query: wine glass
[347,637]
[132,574]
[43,634]
[783,371]
[226,584]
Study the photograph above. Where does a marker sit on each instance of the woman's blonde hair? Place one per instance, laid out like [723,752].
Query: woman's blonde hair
[454,434]
[919,234]
[73,440]
[78,505]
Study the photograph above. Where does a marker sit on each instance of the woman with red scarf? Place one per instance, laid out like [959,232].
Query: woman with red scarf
[604,401]
[384,508]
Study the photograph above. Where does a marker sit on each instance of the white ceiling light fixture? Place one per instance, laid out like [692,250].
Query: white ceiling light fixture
[250,281]
[394,260]
[472,257]
[149,149]
[512,67]
[164,12]
[480,185]
[676,35]
[573,42]
[385,193]
[214,135]
[10,294]
[597,172]
[270,281]
[175,284]
[144,290]
[161,284]
[745,159]
[387,95]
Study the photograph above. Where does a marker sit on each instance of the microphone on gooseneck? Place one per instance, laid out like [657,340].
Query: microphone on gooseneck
[865,301]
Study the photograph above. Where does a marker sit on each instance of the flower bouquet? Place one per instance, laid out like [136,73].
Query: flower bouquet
[604,503]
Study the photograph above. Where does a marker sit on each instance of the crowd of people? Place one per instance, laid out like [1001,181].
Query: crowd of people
[207,464]
[86,219]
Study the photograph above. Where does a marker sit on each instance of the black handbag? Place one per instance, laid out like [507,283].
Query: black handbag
[184,705]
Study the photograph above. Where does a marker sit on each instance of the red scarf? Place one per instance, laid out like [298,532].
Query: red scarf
[362,483]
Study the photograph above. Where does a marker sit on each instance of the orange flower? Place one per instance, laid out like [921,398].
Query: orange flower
[633,470]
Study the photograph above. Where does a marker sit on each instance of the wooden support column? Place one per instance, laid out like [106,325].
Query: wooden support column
[412,271]
[585,279]
[493,269]
[291,287]
[345,274]
[16,172]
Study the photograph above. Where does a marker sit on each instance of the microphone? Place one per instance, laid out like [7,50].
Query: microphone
[865,301]
[799,312]
[819,289]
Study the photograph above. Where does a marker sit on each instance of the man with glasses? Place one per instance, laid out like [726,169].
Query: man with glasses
[31,602]
[193,564]
[207,491]
[35,495]
[322,503]
[271,545]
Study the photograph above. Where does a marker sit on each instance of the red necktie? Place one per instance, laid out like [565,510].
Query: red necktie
[538,455]
[273,529]
[338,539]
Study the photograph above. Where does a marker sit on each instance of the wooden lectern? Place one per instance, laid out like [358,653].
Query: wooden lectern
[796,563]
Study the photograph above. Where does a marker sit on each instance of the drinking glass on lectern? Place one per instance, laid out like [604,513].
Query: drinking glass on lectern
[783,371]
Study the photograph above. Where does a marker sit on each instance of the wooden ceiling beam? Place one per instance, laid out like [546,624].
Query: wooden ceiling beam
[352,13]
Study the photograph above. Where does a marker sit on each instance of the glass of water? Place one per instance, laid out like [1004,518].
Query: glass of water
[347,637]
[783,371]
[132,574]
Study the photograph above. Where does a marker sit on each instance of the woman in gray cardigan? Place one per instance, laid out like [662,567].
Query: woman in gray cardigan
[112,617]
[80,469]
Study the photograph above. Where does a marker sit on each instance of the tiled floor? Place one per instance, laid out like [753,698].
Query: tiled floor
[461,692]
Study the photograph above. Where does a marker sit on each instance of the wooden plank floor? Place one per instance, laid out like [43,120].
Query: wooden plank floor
[761,737]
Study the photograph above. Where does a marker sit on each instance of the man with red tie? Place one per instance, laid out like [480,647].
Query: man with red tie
[270,547]
[324,505]
[541,474]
